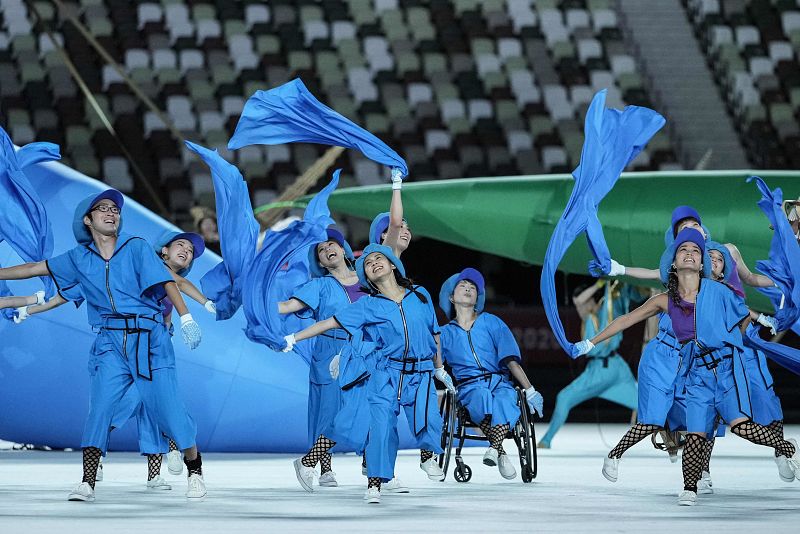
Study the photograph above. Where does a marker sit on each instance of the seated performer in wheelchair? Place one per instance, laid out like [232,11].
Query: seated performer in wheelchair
[482,352]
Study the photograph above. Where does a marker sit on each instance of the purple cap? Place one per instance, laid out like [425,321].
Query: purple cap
[684,212]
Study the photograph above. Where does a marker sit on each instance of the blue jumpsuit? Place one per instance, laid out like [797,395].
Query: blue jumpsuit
[479,358]
[658,375]
[405,346]
[715,383]
[606,375]
[133,347]
[324,296]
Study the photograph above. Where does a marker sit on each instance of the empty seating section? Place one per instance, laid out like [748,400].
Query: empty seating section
[752,47]
[461,88]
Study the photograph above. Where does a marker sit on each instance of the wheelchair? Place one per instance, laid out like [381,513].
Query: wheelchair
[457,426]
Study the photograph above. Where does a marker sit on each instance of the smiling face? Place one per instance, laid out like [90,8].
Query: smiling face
[717,264]
[377,266]
[465,294]
[330,254]
[404,239]
[103,222]
[179,254]
[688,257]
[690,223]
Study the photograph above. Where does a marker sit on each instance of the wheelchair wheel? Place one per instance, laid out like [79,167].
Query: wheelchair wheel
[462,472]
[448,412]
[525,438]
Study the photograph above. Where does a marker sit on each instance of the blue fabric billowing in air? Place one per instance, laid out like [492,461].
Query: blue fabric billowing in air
[238,233]
[783,265]
[613,139]
[291,114]
[23,220]
[280,267]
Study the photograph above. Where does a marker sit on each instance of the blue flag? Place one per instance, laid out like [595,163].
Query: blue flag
[613,139]
[279,268]
[291,114]
[23,220]
[238,233]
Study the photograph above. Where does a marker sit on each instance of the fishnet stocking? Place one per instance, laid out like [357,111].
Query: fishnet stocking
[153,466]
[325,463]
[424,456]
[374,482]
[172,445]
[319,449]
[91,459]
[762,435]
[495,434]
[777,427]
[194,467]
[692,461]
[707,453]
[634,435]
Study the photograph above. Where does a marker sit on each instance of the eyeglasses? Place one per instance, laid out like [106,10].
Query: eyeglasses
[105,208]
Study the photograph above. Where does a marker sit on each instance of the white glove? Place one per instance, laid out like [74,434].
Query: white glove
[535,401]
[616,269]
[290,342]
[333,367]
[210,307]
[769,322]
[582,347]
[397,178]
[442,376]
[39,297]
[22,314]
[190,331]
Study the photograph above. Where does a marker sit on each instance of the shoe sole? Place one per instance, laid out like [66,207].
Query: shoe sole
[707,491]
[686,503]
[196,499]
[786,479]
[159,488]
[609,477]
[329,484]
[437,478]
[302,482]
[80,498]
[399,490]
[373,501]
[512,477]
[174,472]
[489,462]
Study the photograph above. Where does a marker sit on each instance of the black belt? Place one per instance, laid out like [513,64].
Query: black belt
[138,326]
[673,347]
[484,376]
[604,358]
[413,363]
[713,362]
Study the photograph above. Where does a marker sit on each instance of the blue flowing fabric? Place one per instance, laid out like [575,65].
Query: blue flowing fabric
[291,114]
[783,265]
[613,139]
[238,233]
[23,220]
[279,268]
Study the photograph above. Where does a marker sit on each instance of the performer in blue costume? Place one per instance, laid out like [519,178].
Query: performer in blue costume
[334,285]
[482,352]
[123,282]
[607,375]
[400,318]
[708,320]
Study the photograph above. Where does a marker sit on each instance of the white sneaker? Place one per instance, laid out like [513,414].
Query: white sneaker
[158,483]
[175,463]
[99,476]
[704,485]
[373,496]
[687,498]
[794,461]
[395,486]
[197,487]
[785,471]
[506,468]
[305,475]
[490,457]
[610,468]
[432,469]
[81,492]
[328,480]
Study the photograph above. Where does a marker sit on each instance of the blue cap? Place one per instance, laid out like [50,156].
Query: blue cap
[197,243]
[684,212]
[687,234]
[379,225]
[726,255]
[313,259]
[449,286]
[80,230]
[382,249]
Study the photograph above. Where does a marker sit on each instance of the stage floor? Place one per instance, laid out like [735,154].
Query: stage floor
[259,493]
